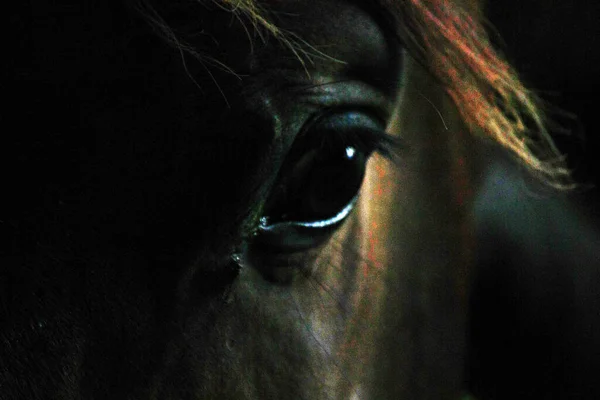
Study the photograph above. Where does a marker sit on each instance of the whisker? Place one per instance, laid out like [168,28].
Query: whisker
[435,108]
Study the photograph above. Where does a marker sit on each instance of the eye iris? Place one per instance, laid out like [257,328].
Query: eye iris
[332,183]
[321,184]
[324,171]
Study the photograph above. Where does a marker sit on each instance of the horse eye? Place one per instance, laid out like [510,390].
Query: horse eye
[320,180]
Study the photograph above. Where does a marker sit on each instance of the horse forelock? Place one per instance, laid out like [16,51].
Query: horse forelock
[449,39]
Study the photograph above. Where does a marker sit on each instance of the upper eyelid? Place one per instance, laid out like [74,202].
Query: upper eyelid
[318,89]
[329,112]
[387,145]
[295,101]
[347,93]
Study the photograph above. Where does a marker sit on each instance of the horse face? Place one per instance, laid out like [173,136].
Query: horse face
[138,263]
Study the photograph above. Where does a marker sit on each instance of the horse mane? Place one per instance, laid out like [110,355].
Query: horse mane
[450,40]
[447,38]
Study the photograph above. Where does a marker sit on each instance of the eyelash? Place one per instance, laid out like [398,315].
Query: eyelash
[369,140]
[373,141]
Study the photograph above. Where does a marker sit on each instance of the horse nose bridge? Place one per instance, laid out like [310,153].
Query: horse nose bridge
[406,315]
[410,300]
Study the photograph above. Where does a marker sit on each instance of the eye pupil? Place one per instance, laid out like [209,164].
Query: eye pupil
[333,183]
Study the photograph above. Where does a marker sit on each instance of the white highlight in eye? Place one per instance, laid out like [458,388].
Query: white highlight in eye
[264,222]
[350,151]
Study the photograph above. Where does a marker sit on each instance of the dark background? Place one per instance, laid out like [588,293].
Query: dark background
[555,44]
[535,307]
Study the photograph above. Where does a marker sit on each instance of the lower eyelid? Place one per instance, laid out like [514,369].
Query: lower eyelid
[339,93]
[293,236]
[340,216]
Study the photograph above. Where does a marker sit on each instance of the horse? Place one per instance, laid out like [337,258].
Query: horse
[246,199]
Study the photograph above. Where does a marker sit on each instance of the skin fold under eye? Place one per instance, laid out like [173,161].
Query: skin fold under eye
[321,178]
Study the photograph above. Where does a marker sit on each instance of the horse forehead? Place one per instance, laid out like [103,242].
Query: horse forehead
[346,30]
